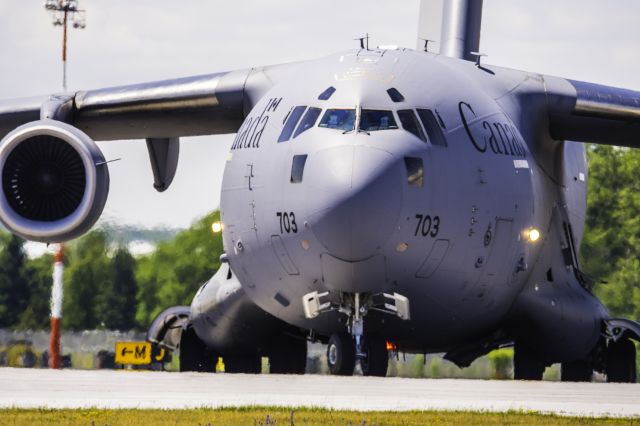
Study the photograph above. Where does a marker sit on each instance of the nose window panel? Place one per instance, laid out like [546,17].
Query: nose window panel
[308,121]
[410,123]
[395,95]
[415,171]
[327,93]
[434,131]
[373,120]
[339,119]
[297,168]
[290,124]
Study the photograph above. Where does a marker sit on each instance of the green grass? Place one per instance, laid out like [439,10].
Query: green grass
[265,416]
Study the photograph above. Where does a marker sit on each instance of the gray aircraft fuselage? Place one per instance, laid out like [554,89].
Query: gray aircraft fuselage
[453,235]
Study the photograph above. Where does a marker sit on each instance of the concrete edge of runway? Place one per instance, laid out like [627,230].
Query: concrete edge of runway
[104,389]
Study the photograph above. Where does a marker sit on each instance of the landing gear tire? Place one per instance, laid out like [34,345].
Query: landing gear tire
[526,366]
[194,355]
[341,354]
[621,362]
[376,356]
[247,364]
[288,355]
[576,371]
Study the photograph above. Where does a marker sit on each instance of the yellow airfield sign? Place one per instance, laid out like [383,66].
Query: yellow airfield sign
[135,353]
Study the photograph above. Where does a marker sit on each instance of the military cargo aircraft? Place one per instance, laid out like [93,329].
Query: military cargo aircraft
[378,199]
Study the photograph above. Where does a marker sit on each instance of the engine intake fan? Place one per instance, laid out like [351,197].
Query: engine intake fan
[55,181]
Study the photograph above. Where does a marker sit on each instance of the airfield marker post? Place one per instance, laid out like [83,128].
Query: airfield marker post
[56,310]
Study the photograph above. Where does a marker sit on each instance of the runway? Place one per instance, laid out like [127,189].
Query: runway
[31,388]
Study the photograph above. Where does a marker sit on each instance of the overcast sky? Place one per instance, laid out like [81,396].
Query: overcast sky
[143,40]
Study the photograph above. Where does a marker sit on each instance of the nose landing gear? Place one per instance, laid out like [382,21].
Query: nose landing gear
[345,348]
[341,354]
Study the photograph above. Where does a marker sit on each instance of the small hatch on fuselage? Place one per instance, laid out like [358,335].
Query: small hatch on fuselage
[297,168]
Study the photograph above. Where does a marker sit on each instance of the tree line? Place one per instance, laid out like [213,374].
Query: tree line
[106,287]
[610,252]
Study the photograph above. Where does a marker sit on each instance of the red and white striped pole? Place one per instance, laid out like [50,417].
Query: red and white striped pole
[56,310]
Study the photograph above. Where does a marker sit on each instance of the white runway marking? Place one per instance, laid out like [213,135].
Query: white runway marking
[29,388]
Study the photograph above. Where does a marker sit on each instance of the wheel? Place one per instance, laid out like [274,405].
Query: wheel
[376,359]
[248,364]
[526,366]
[288,355]
[621,362]
[576,371]
[194,355]
[341,354]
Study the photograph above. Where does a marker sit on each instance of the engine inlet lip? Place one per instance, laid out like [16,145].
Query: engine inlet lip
[81,143]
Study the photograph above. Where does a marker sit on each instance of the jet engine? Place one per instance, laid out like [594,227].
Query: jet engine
[55,181]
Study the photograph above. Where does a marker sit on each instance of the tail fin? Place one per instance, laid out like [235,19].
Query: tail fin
[455,24]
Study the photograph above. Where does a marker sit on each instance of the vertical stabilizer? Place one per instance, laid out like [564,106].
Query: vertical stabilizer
[454,24]
[430,24]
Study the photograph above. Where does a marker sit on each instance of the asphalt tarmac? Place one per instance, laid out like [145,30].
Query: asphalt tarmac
[31,388]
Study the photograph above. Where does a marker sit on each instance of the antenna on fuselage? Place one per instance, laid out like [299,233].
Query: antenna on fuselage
[478,57]
[426,43]
[364,41]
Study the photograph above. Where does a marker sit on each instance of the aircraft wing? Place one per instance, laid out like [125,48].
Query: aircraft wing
[191,106]
[55,179]
[588,112]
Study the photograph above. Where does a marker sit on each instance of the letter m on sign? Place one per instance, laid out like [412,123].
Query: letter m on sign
[141,351]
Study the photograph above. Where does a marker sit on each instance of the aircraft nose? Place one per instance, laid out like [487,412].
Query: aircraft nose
[354,200]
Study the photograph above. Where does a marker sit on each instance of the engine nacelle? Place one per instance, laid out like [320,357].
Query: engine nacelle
[55,181]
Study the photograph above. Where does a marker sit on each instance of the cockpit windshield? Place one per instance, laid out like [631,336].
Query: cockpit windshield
[340,119]
[372,120]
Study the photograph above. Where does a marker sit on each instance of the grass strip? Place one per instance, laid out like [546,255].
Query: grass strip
[266,416]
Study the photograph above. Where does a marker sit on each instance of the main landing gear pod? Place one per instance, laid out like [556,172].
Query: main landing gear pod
[620,353]
[614,356]
[223,323]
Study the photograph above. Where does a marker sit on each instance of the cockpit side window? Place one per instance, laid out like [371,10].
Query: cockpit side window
[410,123]
[434,131]
[373,120]
[339,119]
[308,121]
[290,124]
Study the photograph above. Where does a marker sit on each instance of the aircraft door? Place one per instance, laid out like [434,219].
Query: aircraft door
[497,273]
